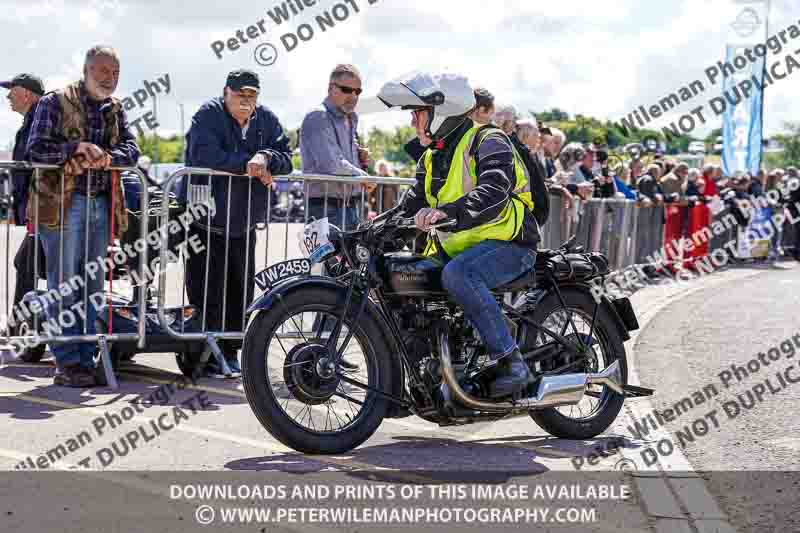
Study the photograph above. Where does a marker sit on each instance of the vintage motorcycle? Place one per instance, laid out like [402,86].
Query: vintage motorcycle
[294,209]
[327,358]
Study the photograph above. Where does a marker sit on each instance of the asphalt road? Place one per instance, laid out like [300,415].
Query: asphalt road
[217,432]
[686,344]
[745,434]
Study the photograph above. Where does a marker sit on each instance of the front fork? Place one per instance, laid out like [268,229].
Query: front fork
[358,281]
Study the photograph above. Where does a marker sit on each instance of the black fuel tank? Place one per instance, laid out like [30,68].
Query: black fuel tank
[413,275]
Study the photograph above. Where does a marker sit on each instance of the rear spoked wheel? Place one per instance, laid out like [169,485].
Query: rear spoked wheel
[603,346]
[293,385]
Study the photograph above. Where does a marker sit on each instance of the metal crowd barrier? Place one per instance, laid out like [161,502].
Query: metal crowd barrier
[648,231]
[561,222]
[613,226]
[626,231]
[197,186]
[728,234]
[788,237]
[19,236]
[631,233]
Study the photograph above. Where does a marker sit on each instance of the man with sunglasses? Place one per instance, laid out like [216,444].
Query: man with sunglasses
[233,134]
[328,145]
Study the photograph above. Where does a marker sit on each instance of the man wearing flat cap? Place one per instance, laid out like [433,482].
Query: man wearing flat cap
[24,92]
[233,134]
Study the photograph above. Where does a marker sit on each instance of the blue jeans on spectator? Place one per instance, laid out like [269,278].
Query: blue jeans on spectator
[84,214]
[468,279]
[316,210]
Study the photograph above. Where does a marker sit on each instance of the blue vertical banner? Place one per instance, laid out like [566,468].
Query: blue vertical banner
[742,122]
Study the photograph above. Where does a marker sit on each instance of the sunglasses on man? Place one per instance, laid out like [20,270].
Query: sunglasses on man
[349,90]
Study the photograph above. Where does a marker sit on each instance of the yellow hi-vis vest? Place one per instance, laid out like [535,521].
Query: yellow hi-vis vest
[461,180]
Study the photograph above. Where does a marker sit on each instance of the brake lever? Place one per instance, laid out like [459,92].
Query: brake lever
[410,223]
[406,223]
[447,224]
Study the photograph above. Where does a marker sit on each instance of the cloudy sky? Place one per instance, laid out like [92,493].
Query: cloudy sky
[596,57]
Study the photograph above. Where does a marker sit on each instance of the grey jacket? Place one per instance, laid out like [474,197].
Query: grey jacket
[328,146]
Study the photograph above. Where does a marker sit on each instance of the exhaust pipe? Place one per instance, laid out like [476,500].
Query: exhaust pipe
[553,391]
[611,377]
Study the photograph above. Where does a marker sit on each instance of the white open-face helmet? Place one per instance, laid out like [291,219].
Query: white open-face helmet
[449,98]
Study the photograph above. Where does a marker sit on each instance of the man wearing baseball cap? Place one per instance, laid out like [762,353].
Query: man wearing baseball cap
[25,81]
[24,92]
[233,134]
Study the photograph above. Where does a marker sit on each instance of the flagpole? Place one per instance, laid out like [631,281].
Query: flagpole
[155,130]
[763,93]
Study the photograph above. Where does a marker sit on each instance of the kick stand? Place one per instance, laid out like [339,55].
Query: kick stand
[213,348]
[108,368]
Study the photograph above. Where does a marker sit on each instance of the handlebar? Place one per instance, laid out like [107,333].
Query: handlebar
[410,223]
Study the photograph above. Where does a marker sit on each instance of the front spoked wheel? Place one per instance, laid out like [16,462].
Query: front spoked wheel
[602,346]
[292,384]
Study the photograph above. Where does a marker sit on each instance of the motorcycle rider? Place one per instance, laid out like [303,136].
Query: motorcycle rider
[473,175]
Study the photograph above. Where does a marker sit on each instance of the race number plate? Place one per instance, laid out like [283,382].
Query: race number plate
[278,272]
[314,242]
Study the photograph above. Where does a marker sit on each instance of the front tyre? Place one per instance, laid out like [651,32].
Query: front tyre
[600,405]
[292,391]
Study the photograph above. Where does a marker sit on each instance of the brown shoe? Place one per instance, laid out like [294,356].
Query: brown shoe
[74,376]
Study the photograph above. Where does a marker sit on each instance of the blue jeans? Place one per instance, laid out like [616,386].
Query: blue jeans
[468,279]
[316,209]
[83,214]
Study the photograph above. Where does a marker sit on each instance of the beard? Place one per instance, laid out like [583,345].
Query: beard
[96,89]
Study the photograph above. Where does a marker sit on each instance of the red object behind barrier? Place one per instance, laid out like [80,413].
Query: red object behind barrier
[684,235]
[673,217]
[699,218]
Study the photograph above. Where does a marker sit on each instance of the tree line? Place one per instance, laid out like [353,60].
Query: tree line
[388,144]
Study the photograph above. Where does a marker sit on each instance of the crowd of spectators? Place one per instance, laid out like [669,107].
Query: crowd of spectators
[577,171]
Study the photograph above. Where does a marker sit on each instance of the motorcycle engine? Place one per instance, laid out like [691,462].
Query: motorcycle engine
[418,345]
[416,319]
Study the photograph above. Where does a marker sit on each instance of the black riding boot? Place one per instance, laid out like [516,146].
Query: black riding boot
[512,376]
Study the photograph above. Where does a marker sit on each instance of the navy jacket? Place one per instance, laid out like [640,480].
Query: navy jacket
[215,141]
[21,179]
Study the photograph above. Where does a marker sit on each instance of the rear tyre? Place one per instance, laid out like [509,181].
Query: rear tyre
[601,405]
[284,381]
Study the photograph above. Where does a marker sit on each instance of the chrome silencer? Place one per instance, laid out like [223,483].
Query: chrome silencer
[552,391]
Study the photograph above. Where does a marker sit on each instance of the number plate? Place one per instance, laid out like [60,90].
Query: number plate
[314,242]
[278,272]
